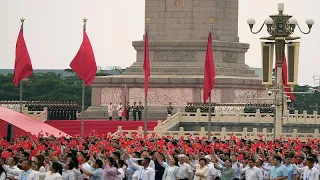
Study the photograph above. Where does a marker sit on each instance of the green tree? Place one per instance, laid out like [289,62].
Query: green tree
[46,87]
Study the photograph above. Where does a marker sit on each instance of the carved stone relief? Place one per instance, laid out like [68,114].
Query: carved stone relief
[162,96]
[174,55]
[230,57]
[215,95]
[110,95]
[245,95]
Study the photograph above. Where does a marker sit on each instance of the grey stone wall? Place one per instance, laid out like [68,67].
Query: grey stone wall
[191,21]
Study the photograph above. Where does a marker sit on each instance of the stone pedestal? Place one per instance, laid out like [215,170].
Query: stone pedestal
[177,48]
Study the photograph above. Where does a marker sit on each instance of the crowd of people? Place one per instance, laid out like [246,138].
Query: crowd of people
[102,157]
[232,107]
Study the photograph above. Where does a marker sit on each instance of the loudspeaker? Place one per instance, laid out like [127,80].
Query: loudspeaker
[267,51]
[9,132]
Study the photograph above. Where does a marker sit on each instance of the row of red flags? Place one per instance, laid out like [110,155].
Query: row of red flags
[84,65]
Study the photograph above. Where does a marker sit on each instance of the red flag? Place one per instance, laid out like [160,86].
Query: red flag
[124,113]
[22,65]
[285,79]
[209,71]
[84,63]
[146,65]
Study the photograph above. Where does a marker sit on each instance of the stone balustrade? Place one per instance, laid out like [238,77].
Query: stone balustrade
[223,134]
[235,117]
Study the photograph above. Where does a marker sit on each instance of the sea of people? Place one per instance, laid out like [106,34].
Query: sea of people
[102,157]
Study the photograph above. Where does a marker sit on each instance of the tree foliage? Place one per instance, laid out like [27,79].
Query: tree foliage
[45,87]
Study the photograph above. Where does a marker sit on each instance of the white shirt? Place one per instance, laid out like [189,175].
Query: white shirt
[143,173]
[68,175]
[53,176]
[86,167]
[119,108]
[23,175]
[3,176]
[151,164]
[184,170]
[14,168]
[308,174]
[121,175]
[110,108]
[252,173]
[212,172]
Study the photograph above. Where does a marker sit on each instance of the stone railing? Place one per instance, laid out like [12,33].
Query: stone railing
[13,105]
[223,134]
[303,118]
[39,115]
[234,117]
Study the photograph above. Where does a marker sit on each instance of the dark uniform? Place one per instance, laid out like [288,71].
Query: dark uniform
[170,108]
[134,111]
[140,109]
[127,109]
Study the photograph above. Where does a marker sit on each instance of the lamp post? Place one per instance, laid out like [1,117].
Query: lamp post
[280,27]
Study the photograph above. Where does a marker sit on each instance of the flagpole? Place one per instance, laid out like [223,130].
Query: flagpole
[83,90]
[209,111]
[10,129]
[21,82]
[146,97]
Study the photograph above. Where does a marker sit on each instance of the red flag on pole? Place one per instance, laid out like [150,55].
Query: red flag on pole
[146,65]
[209,71]
[22,66]
[285,79]
[124,113]
[84,63]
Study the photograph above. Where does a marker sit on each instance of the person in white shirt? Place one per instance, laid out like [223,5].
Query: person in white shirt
[25,174]
[110,111]
[12,164]
[121,171]
[252,172]
[55,172]
[85,165]
[145,172]
[212,172]
[3,174]
[120,109]
[309,171]
[185,171]
[68,174]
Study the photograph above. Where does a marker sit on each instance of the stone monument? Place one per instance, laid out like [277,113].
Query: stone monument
[178,34]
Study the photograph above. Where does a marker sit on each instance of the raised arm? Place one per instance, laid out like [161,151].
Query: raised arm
[299,170]
[219,160]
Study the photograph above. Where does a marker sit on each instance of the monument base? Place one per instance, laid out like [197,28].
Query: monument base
[178,89]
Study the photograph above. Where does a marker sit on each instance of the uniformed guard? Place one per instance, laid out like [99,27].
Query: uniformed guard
[120,110]
[110,111]
[128,108]
[170,108]
[140,109]
[134,110]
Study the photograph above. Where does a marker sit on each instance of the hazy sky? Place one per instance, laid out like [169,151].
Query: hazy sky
[53,31]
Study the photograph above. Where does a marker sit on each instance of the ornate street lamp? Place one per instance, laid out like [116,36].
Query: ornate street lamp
[280,27]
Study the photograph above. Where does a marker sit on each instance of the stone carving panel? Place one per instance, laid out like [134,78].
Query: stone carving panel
[162,96]
[110,95]
[245,95]
[230,57]
[215,95]
[136,95]
[174,55]
[264,94]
